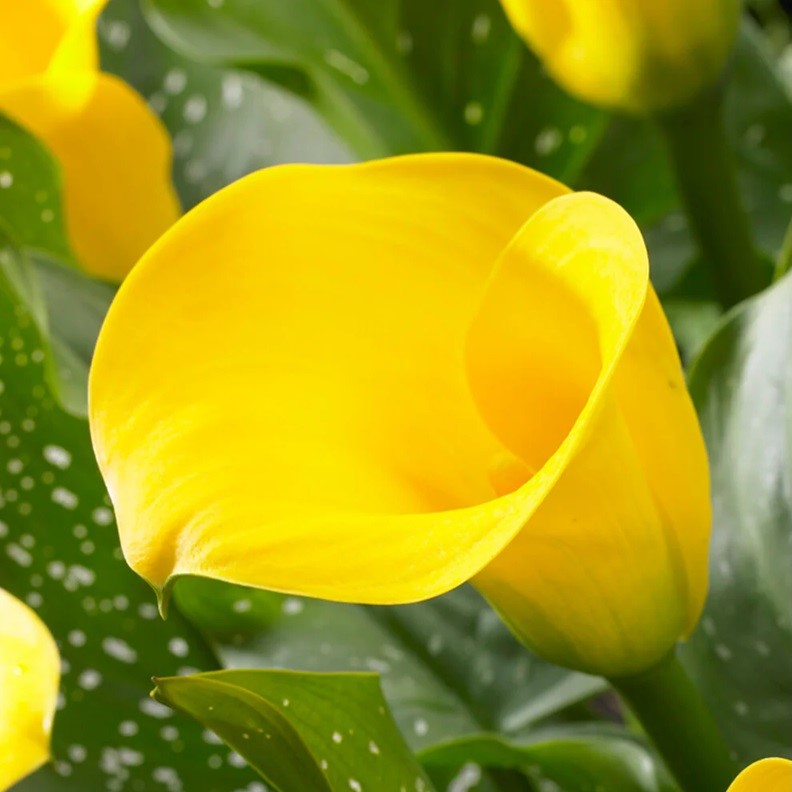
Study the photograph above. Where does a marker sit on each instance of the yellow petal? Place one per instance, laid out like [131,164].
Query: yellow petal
[652,396]
[35,34]
[115,156]
[279,396]
[78,48]
[570,346]
[766,775]
[29,677]
[638,55]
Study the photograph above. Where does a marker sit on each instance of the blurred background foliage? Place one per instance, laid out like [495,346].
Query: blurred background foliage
[240,87]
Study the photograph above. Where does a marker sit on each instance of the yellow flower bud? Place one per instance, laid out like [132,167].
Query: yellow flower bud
[766,775]
[635,55]
[114,153]
[29,677]
[372,383]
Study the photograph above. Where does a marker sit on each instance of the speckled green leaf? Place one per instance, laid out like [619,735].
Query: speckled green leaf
[396,76]
[740,655]
[329,52]
[303,732]
[448,666]
[489,92]
[224,123]
[567,760]
[30,207]
[59,553]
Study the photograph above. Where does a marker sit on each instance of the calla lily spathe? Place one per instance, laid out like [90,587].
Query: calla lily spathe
[374,382]
[635,55]
[766,775]
[29,678]
[114,153]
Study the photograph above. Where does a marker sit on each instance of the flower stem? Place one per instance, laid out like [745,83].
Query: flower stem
[707,180]
[784,261]
[671,710]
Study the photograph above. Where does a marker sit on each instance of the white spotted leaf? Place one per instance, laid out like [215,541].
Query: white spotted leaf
[396,76]
[449,668]
[740,654]
[224,123]
[303,732]
[59,553]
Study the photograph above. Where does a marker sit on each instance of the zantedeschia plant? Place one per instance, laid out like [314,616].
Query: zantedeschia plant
[443,445]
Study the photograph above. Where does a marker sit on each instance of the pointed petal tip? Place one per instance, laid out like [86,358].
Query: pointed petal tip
[164,595]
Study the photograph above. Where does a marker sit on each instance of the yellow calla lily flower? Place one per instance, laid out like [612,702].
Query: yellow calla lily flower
[114,153]
[635,55]
[766,775]
[374,382]
[29,678]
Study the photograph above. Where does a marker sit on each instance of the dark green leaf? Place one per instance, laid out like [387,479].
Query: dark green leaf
[449,667]
[303,732]
[742,385]
[59,553]
[489,92]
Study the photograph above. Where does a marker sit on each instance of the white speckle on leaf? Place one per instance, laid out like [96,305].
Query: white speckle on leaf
[548,141]
[90,679]
[232,91]
[65,498]
[154,709]
[292,606]
[345,65]
[723,652]
[480,30]
[474,113]
[178,647]
[195,109]
[467,778]
[119,650]
[57,456]
[175,81]
[77,638]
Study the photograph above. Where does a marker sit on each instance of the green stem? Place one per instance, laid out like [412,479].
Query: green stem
[671,710]
[706,176]
[784,261]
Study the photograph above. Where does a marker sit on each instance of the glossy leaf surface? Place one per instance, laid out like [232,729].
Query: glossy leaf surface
[740,654]
[564,759]
[59,553]
[449,667]
[405,77]
[302,732]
